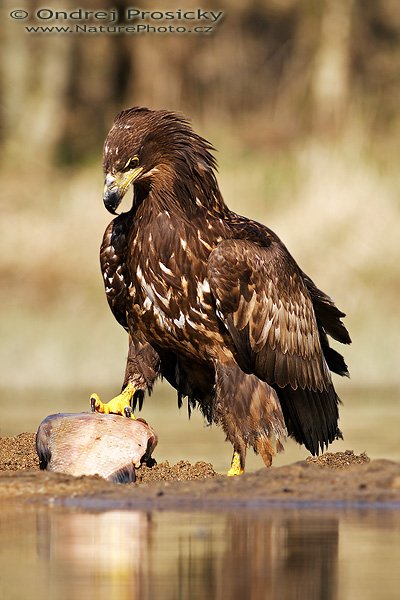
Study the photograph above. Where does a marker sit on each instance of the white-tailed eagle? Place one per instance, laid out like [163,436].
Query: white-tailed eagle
[212,301]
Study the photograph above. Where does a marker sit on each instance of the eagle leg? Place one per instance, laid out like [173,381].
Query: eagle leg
[249,412]
[237,464]
[120,405]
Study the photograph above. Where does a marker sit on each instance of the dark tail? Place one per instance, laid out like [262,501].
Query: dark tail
[311,416]
[329,321]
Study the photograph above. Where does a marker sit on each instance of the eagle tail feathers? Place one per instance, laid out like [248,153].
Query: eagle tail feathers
[311,416]
[329,317]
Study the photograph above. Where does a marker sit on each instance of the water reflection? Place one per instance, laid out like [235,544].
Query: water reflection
[235,555]
[104,552]
[279,557]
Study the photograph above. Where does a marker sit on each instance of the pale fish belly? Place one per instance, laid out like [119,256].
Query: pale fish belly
[94,444]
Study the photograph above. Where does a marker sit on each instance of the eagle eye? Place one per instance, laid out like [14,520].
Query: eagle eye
[131,163]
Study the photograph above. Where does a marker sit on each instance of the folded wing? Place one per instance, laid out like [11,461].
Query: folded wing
[263,300]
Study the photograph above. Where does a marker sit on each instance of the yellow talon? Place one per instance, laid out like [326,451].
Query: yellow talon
[236,465]
[120,405]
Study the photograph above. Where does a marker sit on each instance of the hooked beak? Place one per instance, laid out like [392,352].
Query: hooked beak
[116,186]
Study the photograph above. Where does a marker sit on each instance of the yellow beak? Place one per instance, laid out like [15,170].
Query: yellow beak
[116,186]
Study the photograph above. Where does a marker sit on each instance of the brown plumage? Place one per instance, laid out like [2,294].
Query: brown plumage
[213,301]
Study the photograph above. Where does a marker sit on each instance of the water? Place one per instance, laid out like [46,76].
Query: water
[292,554]
[245,555]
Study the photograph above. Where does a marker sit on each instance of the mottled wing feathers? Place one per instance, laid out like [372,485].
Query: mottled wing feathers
[113,267]
[263,302]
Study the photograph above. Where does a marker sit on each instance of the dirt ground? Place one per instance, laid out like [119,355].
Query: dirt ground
[342,478]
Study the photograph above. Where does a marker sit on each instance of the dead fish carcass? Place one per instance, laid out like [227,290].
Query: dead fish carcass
[94,444]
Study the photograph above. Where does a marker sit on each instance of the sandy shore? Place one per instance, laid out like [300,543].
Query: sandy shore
[331,479]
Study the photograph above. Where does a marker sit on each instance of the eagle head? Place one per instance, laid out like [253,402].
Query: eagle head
[152,149]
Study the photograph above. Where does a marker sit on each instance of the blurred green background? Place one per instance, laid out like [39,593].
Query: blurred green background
[301,99]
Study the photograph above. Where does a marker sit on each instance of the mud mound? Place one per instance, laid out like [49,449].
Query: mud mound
[18,453]
[338,479]
[339,460]
[182,471]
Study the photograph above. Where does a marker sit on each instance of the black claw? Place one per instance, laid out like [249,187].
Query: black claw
[128,411]
[137,398]
[93,404]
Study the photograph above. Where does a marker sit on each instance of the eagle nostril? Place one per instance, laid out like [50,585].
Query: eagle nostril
[110,180]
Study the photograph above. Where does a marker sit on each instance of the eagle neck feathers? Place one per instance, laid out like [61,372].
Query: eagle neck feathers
[185,189]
